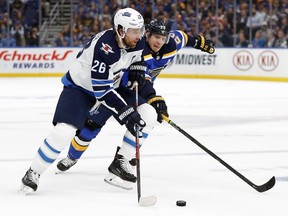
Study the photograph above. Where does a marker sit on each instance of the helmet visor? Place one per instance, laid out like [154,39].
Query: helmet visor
[136,31]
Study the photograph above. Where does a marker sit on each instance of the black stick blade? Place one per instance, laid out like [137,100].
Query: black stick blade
[267,186]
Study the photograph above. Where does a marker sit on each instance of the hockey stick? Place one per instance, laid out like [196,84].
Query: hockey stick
[260,188]
[142,201]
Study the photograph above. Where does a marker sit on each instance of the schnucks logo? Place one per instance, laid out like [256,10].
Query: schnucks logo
[268,60]
[16,55]
[243,60]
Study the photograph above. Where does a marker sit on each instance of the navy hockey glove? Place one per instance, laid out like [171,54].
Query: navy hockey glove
[137,73]
[160,106]
[130,117]
[204,45]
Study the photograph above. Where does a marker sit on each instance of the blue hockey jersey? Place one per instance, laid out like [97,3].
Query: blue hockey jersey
[157,62]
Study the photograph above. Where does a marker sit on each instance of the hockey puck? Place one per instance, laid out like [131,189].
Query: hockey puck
[181,203]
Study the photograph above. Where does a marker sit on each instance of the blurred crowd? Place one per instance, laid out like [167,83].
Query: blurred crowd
[229,23]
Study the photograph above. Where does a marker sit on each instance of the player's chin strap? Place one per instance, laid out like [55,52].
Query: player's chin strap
[260,188]
[121,40]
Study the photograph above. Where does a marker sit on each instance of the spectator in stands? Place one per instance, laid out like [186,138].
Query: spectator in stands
[87,11]
[168,6]
[272,19]
[147,15]
[190,16]
[281,41]
[7,42]
[255,20]
[3,6]
[17,31]
[271,39]
[261,10]
[86,36]
[18,17]
[75,40]
[206,28]
[179,23]
[230,15]
[94,10]
[166,18]
[17,5]
[115,6]
[33,37]
[106,13]
[61,40]
[3,24]
[141,7]
[284,23]
[87,20]
[158,8]
[216,40]
[96,27]
[45,8]
[241,40]
[224,34]
[80,30]
[258,41]
[66,31]
[106,24]
[242,19]
[81,10]
[203,10]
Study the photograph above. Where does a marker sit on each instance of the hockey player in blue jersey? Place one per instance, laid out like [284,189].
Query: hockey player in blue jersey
[93,79]
[161,48]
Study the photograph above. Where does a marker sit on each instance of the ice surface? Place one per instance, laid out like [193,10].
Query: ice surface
[243,122]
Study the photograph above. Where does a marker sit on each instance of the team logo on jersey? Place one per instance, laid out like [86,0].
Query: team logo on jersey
[106,48]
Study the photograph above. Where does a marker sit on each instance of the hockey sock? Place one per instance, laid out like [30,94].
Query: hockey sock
[77,148]
[52,146]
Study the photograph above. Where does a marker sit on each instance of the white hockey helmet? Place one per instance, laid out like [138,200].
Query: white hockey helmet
[128,18]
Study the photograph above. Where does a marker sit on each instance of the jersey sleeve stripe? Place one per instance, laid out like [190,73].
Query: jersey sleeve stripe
[147,57]
[102,82]
[185,37]
[102,88]
[100,93]
[167,55]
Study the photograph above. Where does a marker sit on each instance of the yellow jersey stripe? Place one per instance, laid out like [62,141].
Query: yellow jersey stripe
[169,54]
[185,36]
[149,56]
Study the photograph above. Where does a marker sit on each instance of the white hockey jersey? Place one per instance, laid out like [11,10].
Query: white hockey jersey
[99,66]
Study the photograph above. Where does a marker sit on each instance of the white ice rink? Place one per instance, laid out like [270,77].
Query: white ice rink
[243,122]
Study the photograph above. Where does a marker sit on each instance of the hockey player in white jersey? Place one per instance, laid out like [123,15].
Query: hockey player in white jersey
[161,48]
[93,79]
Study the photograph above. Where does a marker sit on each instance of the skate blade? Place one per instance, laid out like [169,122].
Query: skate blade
[118,182]
[57,171]
[25,190]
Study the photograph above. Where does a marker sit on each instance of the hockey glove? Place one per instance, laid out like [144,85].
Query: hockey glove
[204,45]
[130,117]
[160,106]
[136,73]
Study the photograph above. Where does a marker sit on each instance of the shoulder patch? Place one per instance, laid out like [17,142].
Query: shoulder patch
[106,48]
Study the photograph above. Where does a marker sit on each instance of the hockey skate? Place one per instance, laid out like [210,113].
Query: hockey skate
[121,172]
[65,164]
[30,182]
